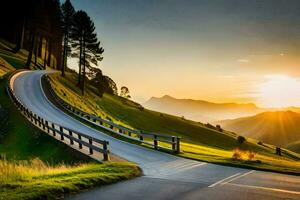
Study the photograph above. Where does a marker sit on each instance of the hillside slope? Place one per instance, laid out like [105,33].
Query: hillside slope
[295,146]
[129,113]
[279,128]
[200,110]
[199,141]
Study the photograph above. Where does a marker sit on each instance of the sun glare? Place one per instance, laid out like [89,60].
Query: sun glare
[279,91]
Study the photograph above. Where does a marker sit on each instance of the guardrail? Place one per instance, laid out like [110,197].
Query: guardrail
[85,144]
[151,139]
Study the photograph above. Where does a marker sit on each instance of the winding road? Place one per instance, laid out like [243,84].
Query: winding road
[165,176]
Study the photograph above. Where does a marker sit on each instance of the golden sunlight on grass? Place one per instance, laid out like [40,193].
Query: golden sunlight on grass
[243,155]
[16,170]
[35,179]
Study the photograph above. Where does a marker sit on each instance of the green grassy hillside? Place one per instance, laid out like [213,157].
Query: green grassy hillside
[199,141]
[295,146]
[17,60]
[279,128]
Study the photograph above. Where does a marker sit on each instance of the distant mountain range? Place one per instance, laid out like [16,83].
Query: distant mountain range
[200,110]
[270,125]
[279,128]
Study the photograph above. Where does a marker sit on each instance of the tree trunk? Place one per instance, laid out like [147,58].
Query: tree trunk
[20,39]
[40,46]
[83,74]
[80,63]
[49,52]
[45,55]
[29,58]
[36,46]
[64,56]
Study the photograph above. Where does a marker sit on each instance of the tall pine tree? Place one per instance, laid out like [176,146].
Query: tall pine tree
[68,13]
[85,42]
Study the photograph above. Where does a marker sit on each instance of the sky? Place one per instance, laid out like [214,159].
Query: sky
[216,50]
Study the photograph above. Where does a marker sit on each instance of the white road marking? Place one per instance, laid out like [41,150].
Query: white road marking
[266,188]
[237,177]
[185,168]
[220,181]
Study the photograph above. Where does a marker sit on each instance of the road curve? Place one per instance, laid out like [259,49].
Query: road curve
[165,176]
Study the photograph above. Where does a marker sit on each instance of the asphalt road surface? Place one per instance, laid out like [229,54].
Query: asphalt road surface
[165,176]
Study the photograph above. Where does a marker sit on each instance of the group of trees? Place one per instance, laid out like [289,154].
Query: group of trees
[53,32]
[79,31]
[35,26]
[102,83]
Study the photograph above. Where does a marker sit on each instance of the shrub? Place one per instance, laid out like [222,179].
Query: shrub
[241,139]
[208,125]
[243,155]
[141,108]
[237,154]
[218,127]
[251,155]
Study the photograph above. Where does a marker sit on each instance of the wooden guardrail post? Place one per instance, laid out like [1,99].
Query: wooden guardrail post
[174,144]
[91,143]
[155,141]
[39,120]
[61,133]
[71,134]
[31,117]
[278,151]
[35,119]
[79,144]
[141,138]
[43,124]
[47,125]
[105,153]
[178,144]
[53,130]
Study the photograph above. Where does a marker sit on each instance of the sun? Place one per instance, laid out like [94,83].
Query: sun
[279,91]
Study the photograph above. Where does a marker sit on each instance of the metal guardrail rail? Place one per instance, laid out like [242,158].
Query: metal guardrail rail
[151,139]
[85,144]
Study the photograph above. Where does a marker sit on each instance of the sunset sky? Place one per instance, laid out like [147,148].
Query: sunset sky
[215,50]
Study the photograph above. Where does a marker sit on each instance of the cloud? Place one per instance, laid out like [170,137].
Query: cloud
[243,60]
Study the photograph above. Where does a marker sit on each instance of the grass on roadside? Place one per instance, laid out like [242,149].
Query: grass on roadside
[36,180]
